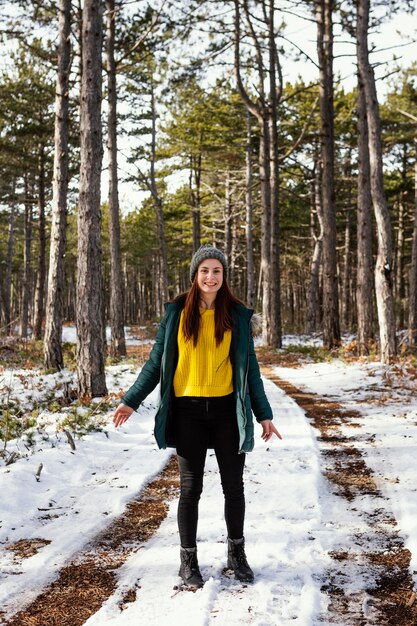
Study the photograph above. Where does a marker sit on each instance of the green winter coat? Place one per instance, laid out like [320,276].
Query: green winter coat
[160,367]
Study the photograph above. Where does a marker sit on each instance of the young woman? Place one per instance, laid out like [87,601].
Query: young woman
[210,383]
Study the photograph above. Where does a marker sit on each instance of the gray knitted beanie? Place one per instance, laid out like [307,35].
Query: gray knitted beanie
[207,252]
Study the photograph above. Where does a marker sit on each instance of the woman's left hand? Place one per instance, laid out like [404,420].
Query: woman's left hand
[268,429]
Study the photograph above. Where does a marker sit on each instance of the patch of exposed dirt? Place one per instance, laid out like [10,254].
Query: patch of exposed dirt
[128,597]
[89,579]
[24,548]
[139,353]
[283,359]
[389,598]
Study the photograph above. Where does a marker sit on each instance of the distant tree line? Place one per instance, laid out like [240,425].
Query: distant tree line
[309,189]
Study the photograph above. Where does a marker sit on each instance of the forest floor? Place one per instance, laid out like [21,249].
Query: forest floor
[88,529]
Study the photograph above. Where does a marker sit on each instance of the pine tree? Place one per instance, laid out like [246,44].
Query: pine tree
[90,345]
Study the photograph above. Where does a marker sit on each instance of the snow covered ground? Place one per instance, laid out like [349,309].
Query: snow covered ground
[293,518]
[69,335]
[87,487]
[78,492]
[283,487]
[386,398]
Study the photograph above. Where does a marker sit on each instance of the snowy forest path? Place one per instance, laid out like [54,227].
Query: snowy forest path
[386,594]
[309,498]
[89,579]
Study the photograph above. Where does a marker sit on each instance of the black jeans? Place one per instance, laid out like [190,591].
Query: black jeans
[202,423]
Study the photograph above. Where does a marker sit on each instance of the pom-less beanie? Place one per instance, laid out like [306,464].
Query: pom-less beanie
[207,252]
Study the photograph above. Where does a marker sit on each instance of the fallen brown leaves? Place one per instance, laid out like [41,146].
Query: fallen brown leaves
[24,548]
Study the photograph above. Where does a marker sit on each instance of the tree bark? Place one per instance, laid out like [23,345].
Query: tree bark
[275,336]
[41,274]
[27,270]
[399,262]
[265,177]
[399,291]
[412,311]
[228,219]
[345,286]
[195,196]
[90,348]
[9,269]
[364,272]
[313,292]
[384,262]
[163,259]
[117,298]
[250,268]
[54,306]
[331,329]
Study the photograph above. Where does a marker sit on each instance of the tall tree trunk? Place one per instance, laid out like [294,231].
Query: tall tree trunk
[117,308]
[331,329]
[412,311]
[275,336]
[347,298]
[9,269]
[27,276]
[163,258]
[345,286]
[399,263]
[90,348]
[41,275]
[54,305]
[313,291]
[399,292]
[364,272]
[27,273]
[265,178]
[234,277]
[384,262]
[250,268]
[228,217]
[195,196]
[265,112]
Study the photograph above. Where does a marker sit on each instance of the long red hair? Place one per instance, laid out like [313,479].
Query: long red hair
[222,315]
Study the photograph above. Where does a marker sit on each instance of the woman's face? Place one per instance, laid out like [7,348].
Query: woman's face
[210,276]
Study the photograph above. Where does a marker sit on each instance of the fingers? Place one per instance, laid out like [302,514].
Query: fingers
[120,419]
[276,432]
[121,415]
[268,430]
[267,436]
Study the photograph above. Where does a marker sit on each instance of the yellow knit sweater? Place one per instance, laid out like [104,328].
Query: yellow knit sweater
[204,369]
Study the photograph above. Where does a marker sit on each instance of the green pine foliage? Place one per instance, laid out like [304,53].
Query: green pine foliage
[200,156]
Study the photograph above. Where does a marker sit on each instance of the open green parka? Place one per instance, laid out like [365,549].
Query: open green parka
[160,368]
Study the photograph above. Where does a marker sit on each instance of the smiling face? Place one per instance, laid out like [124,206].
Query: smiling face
[209,277]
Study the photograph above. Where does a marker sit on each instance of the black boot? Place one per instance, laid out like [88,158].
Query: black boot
[189,570]
[236,560]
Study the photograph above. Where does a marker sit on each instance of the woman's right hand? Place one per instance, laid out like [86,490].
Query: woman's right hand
[122,414]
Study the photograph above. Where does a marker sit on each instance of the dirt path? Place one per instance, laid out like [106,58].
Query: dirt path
[87,581]
[380,559]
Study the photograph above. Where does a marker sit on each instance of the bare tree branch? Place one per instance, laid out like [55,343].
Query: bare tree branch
[412,117]
[302,134]
[251,106]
